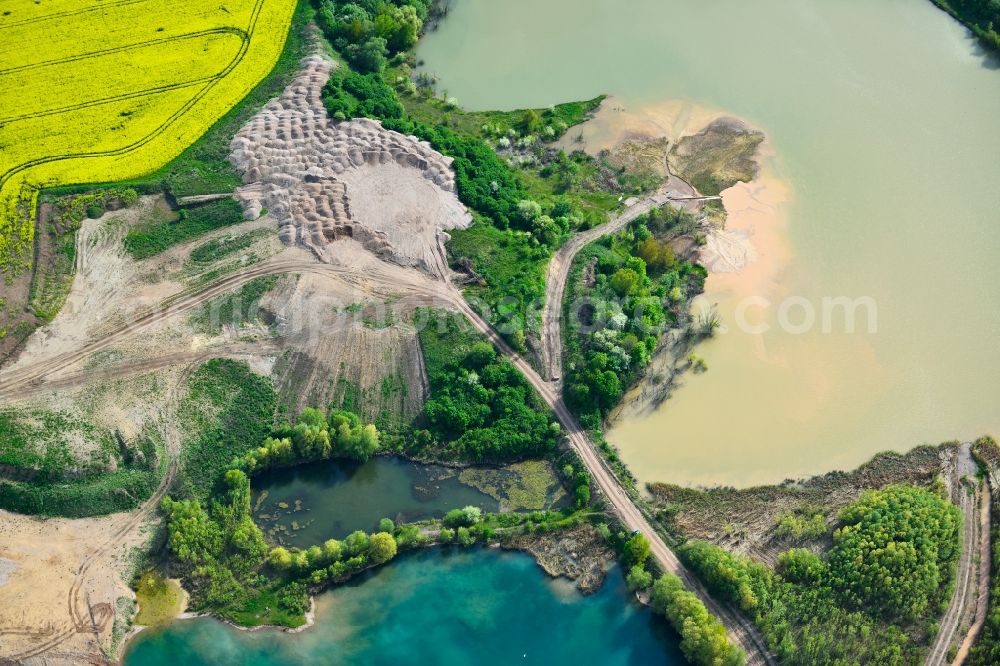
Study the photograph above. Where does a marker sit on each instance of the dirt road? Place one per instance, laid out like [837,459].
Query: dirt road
[675,191]
[971,587]
[85,618]
[21,378]
[558,273]
[741,631]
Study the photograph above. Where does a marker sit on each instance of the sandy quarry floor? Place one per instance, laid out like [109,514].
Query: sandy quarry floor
[46,557]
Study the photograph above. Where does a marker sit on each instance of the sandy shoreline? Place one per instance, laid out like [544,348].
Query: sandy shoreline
[748,256]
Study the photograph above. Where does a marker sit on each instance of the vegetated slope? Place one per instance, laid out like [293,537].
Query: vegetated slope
[98,451]
[117,91]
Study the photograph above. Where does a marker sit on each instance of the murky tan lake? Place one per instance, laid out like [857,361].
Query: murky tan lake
[883,118]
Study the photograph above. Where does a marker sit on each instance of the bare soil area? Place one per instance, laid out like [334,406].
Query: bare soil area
[47,556]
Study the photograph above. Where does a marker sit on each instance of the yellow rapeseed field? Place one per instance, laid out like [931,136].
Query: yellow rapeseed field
[104,90]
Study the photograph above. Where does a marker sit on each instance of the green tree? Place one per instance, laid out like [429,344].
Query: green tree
[624,281]
[280,558]
[398,26]
[637,550]
[466,517]
[369,56]
[381,547]
[894,550]
[333,550]
[356,543]
[703,637]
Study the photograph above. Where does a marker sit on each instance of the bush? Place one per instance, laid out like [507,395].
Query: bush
[638,578]
[466,517]
[801,527]
[381,547]
[636,550]
[465,537]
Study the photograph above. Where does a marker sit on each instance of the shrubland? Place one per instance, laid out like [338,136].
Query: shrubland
[227,411]
[147,240]
[44,476]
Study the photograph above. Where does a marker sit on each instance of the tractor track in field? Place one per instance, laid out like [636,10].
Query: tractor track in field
[71,12]
[221,30]
[146,92]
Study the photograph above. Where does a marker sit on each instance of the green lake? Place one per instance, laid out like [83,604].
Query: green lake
[332,499]
[434,607]
[882,184]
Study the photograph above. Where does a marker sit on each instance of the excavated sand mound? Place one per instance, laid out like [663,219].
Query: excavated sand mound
[324,181]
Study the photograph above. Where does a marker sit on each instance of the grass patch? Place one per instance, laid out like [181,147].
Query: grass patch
[492,124]
[530,485]
[236,309]
[160,599]
[38,440]
[220,248]
[147,240]
[228,410]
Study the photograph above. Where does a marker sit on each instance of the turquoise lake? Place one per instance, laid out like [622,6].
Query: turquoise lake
[434,607]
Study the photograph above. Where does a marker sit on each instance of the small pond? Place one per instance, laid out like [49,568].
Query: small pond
[307,504]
